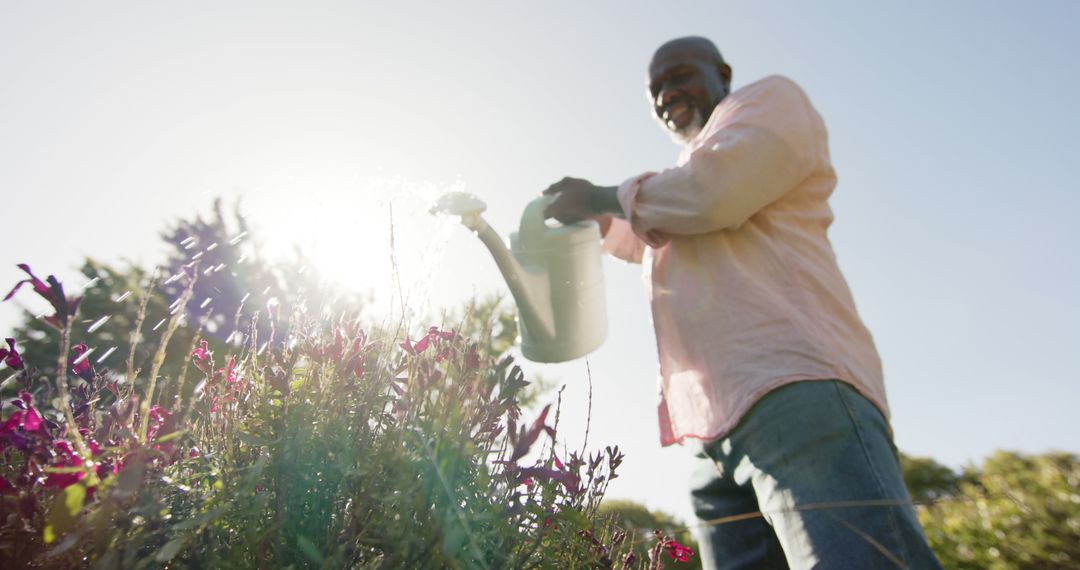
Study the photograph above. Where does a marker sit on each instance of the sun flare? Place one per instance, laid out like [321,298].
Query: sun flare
[375,236]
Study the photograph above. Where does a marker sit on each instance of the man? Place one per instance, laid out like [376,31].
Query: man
[763,356]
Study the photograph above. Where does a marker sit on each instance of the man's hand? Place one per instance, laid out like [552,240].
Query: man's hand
[577,199]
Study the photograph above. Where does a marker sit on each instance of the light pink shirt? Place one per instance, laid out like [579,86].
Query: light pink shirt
[745,290]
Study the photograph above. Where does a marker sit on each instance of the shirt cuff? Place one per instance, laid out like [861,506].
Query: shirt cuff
[627,195]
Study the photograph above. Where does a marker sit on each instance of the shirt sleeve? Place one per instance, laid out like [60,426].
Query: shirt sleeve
[758,152]
[622,242]
[620,239]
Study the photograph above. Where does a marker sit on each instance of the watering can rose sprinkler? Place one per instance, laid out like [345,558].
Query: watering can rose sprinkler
[553,273]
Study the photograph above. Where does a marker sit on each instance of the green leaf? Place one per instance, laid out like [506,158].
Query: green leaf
[130,477]
[170,550]
[309,549]
[170,436]
[252,440]
[64,511]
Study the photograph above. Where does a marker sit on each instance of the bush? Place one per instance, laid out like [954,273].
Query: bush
[1015,512]
[320,444]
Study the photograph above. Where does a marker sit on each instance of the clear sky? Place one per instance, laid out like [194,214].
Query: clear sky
[954,130]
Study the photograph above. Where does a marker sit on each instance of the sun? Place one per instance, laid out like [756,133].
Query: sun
[373,236]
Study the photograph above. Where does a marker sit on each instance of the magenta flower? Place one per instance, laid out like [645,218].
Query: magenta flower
[39,286]
[10,356]
[65,457]
[230,371]
[568,480]
[524,440]
[26,420]
[80,364]
[677,551]
[158,417]
[432,338]
[202,357]
[52,291]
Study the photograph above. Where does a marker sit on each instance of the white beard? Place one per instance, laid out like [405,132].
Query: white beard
[691,130]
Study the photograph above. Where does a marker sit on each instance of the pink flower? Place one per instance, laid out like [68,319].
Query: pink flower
[677,551]
[434,332]
[81,365]
[230,371]
[161,422]
[10,356]
[432,338]
[202,356]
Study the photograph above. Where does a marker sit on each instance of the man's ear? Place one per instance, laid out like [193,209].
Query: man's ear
[725,74]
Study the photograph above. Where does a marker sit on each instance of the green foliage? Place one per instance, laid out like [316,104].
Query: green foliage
[292,437]
[639,523]
[928,480]
[1015,512]
[116,295]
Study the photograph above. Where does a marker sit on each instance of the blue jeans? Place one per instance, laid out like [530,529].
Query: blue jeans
[814,467]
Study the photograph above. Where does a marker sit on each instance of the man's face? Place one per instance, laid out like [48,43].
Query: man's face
[685,85]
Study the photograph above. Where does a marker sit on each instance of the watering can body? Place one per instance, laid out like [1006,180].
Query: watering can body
[572,320]
[554,275]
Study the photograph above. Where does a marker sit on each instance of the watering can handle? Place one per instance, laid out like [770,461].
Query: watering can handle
[532,220]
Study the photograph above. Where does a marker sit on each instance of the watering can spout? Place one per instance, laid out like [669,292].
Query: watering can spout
[529,284]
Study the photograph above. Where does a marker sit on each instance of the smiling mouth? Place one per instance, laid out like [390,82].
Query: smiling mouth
[677,115]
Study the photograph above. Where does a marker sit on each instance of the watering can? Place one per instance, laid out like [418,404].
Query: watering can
[553,273]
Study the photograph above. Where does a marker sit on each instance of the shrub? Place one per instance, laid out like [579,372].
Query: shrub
[317,443]
[1014,512]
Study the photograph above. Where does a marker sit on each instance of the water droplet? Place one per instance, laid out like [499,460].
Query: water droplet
[122,297]
[91,283]
[206,302]
[106,355]
[97,324]
[211,247]
[237,239]
[157,326]
[83,356]
[197,256]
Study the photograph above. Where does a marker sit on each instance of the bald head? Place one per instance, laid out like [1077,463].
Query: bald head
[687,79]
[697,47]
